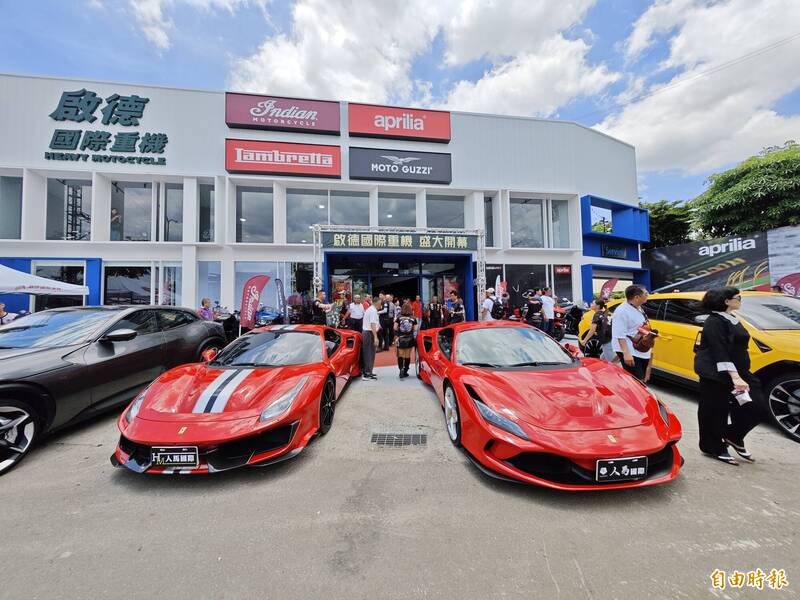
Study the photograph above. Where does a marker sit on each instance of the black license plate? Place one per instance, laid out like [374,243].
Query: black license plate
[621,469]
[173,456]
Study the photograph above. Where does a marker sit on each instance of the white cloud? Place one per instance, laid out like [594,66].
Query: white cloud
[500,30]
[534,83]
[661,17]
[719,118]
[151,15]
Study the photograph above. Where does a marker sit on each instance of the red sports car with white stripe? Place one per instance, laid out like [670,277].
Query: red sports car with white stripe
[259,402]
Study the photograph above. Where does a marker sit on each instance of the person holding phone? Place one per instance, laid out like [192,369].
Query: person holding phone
[722,362]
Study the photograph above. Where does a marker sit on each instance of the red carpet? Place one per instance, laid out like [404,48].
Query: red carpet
[389,358]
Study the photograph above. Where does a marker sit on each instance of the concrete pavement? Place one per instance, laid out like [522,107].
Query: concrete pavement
[347,519]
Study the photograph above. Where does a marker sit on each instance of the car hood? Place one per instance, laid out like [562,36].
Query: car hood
[593,396]
[198,392]
[19,363]
[785,340]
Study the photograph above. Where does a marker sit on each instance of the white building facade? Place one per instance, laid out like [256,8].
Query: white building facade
[159,195]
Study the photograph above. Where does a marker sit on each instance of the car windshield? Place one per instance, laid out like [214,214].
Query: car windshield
[508,347]
[272,349]
[771,312]
[51,329]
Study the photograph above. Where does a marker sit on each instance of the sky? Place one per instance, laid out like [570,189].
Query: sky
[695,85]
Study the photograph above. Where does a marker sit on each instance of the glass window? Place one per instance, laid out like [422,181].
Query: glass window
[520,279]
[69,209]
[445,211]
[170,286]
[527,223]
[562,281]
[397,210]
[445,341]
[332,341]
[171,319]
[349,208]
[304,209]
[509,347]
[143,322]
[772,313]
[254,218]
[64,273]
[54,329]
[683,311]
[173,212]
[560,210]
[652,308]
[127,285]
[488,220]
[206,213]
[272,348]
[131,211]
[208,281]
[10,208]
[244,270]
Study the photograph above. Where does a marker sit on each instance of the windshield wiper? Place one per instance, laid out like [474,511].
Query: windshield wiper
[481,364]
[536,364]
[249,364]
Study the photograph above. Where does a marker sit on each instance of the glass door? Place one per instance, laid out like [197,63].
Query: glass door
[73,271]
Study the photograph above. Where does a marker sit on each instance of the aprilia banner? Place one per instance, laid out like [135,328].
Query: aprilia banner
[250,111]
[367,120]
[399,165]
[251,297]
[280,158]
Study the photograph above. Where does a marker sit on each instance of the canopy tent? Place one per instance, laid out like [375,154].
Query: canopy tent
[17,282]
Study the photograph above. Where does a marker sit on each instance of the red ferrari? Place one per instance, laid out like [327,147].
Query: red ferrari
[260,401]
[524,408]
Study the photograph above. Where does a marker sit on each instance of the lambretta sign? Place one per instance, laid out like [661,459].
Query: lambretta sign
[398,165]
[249,111]
[280,158]
[366,120]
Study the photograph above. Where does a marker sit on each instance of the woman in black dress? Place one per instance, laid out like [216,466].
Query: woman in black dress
[722,362]
[405,326]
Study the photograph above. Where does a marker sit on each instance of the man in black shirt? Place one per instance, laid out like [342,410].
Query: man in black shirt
[319,308]
[533,309]
[434,313]
[457,309]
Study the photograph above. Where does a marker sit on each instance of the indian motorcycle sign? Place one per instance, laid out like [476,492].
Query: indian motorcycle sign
[366,120]
[281,158]
[249,111]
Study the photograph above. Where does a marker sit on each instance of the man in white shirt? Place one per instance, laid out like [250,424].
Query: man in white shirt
[488,303]
[355,313]
[369,338]
[6,317]
[548,310]
[628,318]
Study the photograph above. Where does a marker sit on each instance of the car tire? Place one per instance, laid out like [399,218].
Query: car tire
[327,406]
[20,427]
[216,345]
[417,365]
[782,402]
[452,415]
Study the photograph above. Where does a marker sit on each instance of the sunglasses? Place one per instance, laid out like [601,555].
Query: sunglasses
[739,298]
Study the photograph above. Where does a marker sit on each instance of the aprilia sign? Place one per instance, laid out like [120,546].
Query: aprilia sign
[367,120]
[279,158]
[398,165]
[249,111]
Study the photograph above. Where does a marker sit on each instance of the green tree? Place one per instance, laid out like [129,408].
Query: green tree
[761,193]
[670,223]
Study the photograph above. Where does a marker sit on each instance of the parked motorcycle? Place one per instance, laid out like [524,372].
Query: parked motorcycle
[573,314]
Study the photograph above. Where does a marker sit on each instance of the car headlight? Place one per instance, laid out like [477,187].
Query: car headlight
[495,418]
[282,404]
[134,409]
[662,410]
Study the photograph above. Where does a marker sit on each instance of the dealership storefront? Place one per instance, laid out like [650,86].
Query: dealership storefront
[159,195]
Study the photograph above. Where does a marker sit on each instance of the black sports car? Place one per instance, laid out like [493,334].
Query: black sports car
[64,365]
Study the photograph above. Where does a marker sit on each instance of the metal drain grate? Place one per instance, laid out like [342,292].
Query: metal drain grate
[396,440]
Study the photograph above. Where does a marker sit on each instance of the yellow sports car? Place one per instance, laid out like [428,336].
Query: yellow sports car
[773,321]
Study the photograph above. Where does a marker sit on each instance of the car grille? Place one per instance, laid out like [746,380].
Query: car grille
[225,456]
[559,469]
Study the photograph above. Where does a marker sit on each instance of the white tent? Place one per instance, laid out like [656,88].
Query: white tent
[17,282]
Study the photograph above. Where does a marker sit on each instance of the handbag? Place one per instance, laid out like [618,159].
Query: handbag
[645,338]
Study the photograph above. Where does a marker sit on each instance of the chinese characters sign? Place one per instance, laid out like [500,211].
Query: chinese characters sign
[130,147]
[254,156]
[399,241]
[400,165]
[249,111]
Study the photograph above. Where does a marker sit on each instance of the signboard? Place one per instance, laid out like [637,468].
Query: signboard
[613,251]
[250,111]
[398,241]
[281,158]
[101,145]
[400,165]
[367,120]
[563,269]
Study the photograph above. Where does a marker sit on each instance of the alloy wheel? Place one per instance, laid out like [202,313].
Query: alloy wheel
[327,406]
[451,416]
[17,432]
[784,404]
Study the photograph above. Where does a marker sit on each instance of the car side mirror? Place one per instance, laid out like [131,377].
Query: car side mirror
[119,335]
[700,319]
[573,350]
[209,354]
[351,342]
